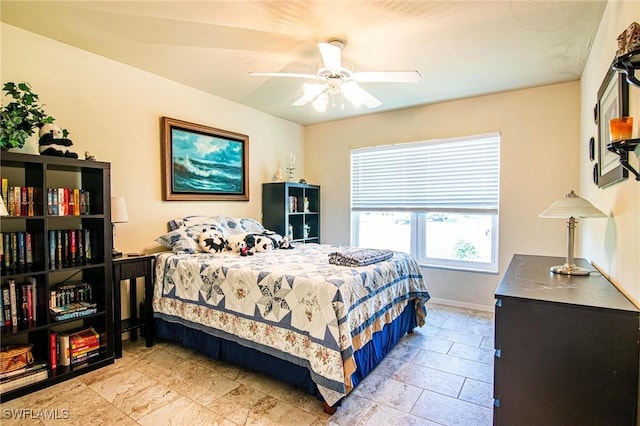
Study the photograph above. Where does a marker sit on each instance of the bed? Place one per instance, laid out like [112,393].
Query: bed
[288,313]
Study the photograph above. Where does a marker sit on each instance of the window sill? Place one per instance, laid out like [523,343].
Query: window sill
[460,269]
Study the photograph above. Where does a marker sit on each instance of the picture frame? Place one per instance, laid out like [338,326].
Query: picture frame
[202,163]
[613,101]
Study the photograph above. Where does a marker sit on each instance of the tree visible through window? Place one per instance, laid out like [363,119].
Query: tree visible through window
[437,200]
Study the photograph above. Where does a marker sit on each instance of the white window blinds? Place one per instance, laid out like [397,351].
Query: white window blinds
[461,174]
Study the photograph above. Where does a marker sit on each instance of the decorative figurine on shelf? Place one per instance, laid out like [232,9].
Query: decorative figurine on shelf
[277,177]
[89,156]
[53,140]
[292,166]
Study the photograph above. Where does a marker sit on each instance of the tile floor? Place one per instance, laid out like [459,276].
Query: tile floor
[440,375]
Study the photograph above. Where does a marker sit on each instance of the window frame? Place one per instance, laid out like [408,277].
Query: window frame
[418,221]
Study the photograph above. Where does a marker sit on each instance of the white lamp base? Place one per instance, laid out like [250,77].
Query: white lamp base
[570,269]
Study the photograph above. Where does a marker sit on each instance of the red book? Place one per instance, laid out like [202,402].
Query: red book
[72,245]
[53,350]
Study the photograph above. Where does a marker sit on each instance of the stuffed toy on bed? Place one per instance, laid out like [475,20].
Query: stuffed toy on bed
[279,242]
[212,241]
[258,243]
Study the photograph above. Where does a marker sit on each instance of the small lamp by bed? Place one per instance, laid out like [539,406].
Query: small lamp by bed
[570,207]
[118,215]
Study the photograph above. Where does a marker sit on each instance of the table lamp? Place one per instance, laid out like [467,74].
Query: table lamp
[118,215]
[570,207]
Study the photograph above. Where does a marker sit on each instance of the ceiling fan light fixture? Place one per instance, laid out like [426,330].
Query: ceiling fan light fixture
[320,103]
[338,78]
[353,93]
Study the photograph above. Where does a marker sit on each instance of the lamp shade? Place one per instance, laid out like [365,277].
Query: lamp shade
[3,208]
[119,210]
[571,206]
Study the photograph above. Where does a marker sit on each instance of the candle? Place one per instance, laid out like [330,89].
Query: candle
[292,160]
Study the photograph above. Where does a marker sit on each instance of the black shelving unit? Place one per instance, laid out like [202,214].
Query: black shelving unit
[292,209]
[623,148]
[42,173]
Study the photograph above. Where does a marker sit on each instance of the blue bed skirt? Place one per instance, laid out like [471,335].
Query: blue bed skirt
[221,349]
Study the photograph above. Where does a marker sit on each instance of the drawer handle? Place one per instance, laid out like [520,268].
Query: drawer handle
[498,353]
[496,402]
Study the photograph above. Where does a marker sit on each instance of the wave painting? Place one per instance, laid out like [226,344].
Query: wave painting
[204,163]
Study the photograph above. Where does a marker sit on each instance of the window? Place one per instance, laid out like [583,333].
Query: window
[437,200]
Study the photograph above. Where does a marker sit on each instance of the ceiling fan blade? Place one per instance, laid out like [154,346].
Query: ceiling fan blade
[285,74]
[387,77]
[331,56]
[358,96]
[310,92]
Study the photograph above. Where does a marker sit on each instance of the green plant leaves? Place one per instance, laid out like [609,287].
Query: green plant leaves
[20,117]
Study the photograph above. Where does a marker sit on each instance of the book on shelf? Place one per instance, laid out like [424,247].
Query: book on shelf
[68,247]
[17,250]
[19,302]
[23,201]
[67,201]
[5,191]
[73,310]
[34,298]
[71,292]
[13,298]
[64,358]
[76,347]
[84,341]
[53,349]
[6,306]
[19,200]
[85,357]
[35,366]
[25,379]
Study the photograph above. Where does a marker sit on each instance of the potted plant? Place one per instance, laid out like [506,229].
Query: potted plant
[20,118]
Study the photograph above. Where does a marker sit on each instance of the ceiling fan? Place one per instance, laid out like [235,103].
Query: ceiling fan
[336,79]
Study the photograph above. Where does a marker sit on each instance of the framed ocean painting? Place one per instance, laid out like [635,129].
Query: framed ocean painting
[203,163]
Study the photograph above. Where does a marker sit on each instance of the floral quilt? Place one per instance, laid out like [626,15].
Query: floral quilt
[292,304]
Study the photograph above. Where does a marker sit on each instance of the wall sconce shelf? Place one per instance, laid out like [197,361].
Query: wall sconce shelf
[622,148]
[627,64]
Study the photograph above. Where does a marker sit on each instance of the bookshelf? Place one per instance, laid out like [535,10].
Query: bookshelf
[69,254]
[292,207]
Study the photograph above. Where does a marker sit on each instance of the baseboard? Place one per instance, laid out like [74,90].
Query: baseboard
[458,304]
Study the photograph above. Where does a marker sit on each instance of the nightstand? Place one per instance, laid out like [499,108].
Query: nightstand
[128,268]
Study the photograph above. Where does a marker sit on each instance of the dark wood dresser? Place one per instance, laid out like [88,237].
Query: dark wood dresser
[566,348]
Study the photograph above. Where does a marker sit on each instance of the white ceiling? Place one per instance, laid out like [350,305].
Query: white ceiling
[461,48]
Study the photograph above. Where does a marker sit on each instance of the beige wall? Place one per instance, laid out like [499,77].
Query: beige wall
[613,243]
[114,110]
[539,164]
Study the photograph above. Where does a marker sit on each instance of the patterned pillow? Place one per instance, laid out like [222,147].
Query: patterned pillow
[185,232]
[186,239]
[194,220]
[179,241]
[242,225]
